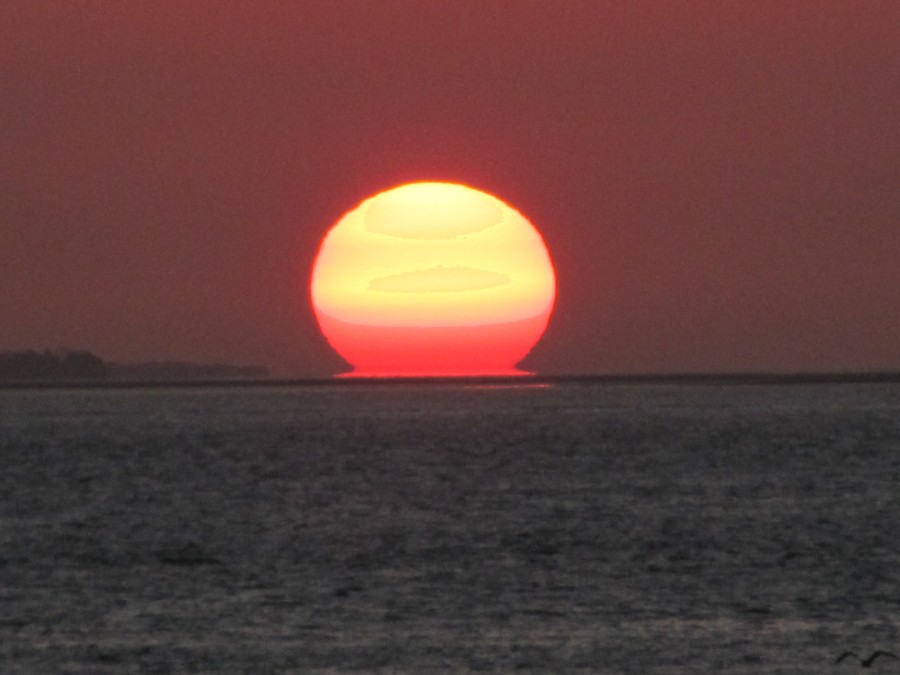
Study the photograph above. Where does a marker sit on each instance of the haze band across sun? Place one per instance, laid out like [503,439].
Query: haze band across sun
[433,279]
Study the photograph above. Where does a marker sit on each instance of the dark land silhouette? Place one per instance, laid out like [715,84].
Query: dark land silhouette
[183,370]
[36,366]
[32,366]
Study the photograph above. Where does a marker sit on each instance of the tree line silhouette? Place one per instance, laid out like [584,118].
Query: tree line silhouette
[61,366]
[32,365]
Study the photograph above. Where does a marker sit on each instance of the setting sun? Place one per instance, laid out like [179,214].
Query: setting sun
[433,279]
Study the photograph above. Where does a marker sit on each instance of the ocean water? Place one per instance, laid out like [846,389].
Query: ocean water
[581,527]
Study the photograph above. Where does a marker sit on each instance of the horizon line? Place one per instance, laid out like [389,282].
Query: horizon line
[341,380]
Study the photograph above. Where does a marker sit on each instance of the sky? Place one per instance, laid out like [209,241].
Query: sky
[717,182]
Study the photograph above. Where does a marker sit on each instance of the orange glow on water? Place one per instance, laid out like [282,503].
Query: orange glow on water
[433,279]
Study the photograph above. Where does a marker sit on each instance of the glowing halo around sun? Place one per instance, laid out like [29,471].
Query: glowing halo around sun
[433,279]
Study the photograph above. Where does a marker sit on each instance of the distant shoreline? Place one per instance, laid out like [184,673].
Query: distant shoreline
[520,380]
[63,368]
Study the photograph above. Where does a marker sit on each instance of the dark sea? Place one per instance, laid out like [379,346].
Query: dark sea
[420,528]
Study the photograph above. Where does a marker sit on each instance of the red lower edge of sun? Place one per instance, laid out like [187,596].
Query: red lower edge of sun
[440,351]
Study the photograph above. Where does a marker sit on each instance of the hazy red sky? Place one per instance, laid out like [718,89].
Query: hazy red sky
[718,182]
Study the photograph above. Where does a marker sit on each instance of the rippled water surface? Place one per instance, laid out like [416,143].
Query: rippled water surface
[410,529]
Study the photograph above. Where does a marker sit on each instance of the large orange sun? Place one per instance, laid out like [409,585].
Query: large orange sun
[433,279]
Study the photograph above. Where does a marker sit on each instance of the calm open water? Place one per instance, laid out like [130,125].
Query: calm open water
[590,528]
